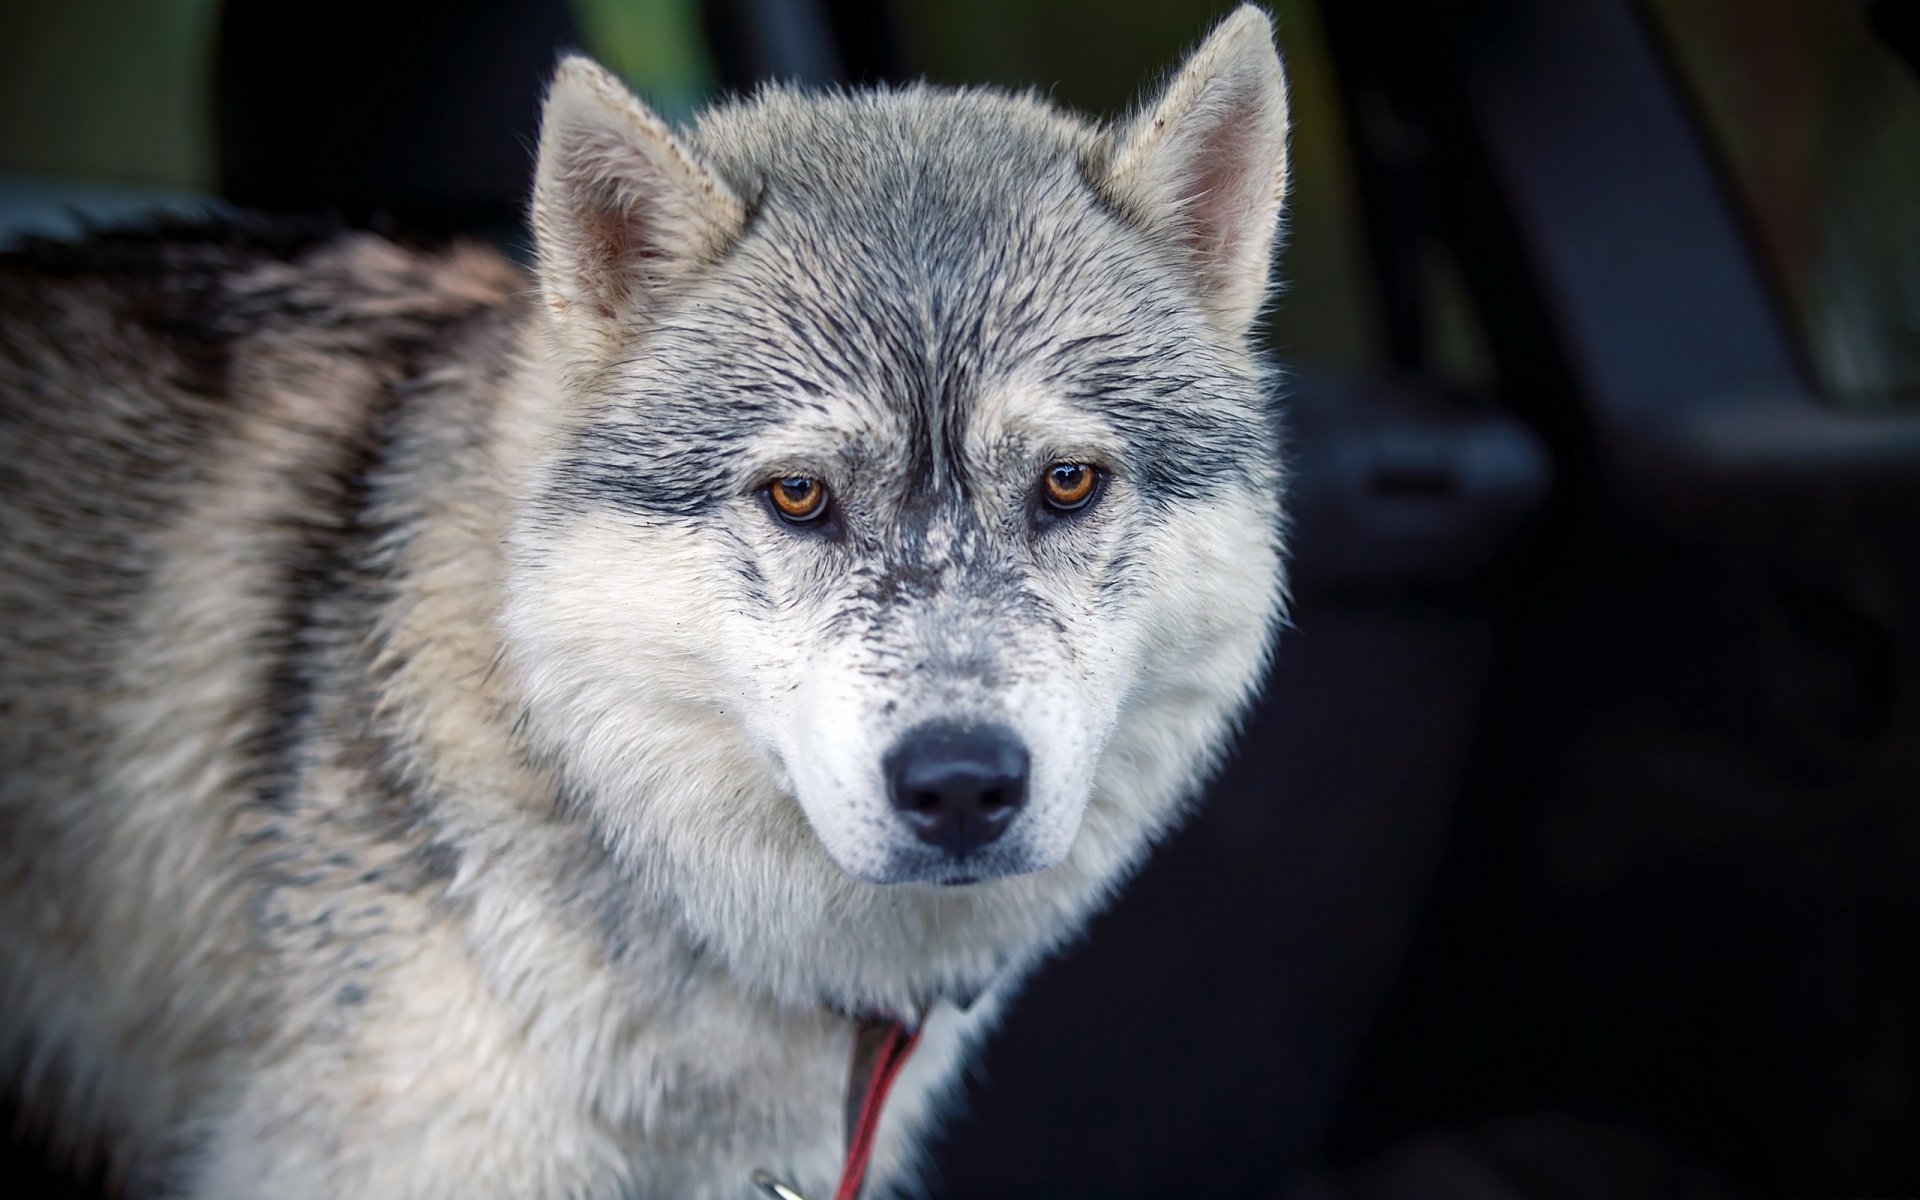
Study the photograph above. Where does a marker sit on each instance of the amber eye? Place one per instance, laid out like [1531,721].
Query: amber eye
[1069,486]
[798,498]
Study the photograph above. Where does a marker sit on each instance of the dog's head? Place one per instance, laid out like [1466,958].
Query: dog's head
[910,470]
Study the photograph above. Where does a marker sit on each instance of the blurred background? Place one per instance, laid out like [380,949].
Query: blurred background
[1575,850]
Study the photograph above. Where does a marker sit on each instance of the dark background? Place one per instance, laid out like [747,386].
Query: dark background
[1575,851]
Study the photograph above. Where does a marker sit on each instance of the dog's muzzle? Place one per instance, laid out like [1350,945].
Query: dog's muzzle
[958,787]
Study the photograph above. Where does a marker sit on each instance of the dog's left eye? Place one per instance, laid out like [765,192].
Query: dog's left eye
[800,499]
[1069,486]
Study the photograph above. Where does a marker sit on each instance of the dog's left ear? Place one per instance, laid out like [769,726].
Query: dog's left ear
[1207,161]
[622,209]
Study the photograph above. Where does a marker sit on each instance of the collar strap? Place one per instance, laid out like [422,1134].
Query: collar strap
[880,1049]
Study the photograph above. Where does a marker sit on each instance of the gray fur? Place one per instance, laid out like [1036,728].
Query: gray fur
[432,769]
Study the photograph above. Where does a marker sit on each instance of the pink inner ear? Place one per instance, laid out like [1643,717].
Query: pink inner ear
[1225,192]
[1214,205]
[615,242]
[610,240]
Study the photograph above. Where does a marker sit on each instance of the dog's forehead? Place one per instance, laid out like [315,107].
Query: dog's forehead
[931,211]
[906,149]
[938,257]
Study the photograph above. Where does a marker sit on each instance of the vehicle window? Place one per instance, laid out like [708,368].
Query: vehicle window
[1816,118]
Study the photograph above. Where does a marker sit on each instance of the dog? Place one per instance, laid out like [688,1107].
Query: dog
[476,731]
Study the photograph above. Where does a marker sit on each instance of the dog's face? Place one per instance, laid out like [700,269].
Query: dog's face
[913,495]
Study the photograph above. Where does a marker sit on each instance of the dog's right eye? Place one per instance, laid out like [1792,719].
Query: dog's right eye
[799,499]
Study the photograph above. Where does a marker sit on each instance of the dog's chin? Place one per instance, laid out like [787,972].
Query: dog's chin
[909,866]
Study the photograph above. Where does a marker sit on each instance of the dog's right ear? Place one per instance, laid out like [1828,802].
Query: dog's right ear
[621,208]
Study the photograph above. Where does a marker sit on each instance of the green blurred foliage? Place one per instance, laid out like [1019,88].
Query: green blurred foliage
[656,45]
[108,90]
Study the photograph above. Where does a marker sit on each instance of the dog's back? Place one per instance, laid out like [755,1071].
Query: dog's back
[180,411]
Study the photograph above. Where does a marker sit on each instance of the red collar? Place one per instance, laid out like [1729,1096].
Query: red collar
[880,1049]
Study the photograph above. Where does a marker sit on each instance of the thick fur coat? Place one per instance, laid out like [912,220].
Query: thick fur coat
[432,767]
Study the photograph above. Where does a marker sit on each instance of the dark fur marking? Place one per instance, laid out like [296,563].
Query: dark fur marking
[169,276]
[337,579]
[322,562]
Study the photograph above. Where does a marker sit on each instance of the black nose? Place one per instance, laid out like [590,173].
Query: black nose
[958,786]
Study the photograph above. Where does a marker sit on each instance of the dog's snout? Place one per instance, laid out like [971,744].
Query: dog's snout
[958,786]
